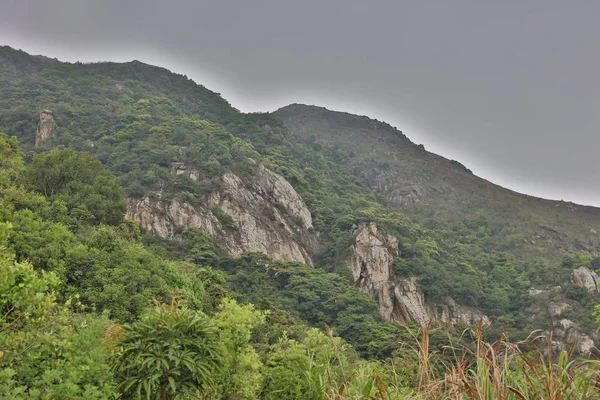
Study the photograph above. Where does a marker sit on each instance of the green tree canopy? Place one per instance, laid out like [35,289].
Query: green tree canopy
[81,182]
[172,352]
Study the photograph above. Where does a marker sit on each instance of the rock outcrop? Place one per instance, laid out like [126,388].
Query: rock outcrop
[179,168]
[260,214]
[557,307]
[565,332]
[451,313]
[371,264]
[46,127]
[399,298]
[585,278]
[409,303]
[569,333]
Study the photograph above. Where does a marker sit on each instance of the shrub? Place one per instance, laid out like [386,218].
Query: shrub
[222,216]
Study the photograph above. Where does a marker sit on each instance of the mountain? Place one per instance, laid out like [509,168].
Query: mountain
[459,210]
[370,211]
[435,190]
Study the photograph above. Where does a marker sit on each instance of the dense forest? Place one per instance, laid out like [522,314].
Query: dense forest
[93,307]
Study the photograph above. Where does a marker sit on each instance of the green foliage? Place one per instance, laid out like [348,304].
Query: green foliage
[140,120]
[242,375]
[314,296]
[72,270]
[47,351]
[171,352]
[25,299]
[296,369]
[106,266]
[222,216]
[11,159]
[81,182]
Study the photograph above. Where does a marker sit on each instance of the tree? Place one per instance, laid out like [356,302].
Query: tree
[81,182]
[172,352]
[11,158]
[46,350]
[242,374]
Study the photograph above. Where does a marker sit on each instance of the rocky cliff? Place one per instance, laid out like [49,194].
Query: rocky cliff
[559,310]
[260,214]
[46,127]
[398,298]
[371,266]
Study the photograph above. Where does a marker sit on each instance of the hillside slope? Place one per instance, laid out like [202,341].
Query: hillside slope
[308,185]
[437,190]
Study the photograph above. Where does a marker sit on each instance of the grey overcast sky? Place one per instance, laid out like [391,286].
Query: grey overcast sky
[509,88]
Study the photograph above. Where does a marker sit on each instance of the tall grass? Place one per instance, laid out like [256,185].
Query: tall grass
[503,370]
[363,382]
[478,370]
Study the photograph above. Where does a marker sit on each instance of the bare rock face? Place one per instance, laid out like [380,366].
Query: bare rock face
[179,168]
[399,299]
[565,332]
[46,127]
[569,332]
[371,265]
[269,184]
[409,303]
[267,215]
[556,308]
[586,278]
[167,217]
[451,313]
[585,344]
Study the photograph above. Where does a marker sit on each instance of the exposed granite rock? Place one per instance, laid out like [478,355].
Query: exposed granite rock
[167,217]
[46,127]
[452,313]
[536,292]
[399,299]
[179,168]
[553,305]
[585,344]
[556,308]
[371,264]
[585,278]
[409,303]
[274,186]
[268,216]
[569,332]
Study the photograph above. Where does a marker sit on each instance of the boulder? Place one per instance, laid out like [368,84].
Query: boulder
[585,278]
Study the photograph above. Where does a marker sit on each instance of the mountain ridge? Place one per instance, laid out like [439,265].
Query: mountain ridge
[142,64]
[319,108]
[420,176]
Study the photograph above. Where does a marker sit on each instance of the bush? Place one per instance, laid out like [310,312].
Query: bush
[224,218]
